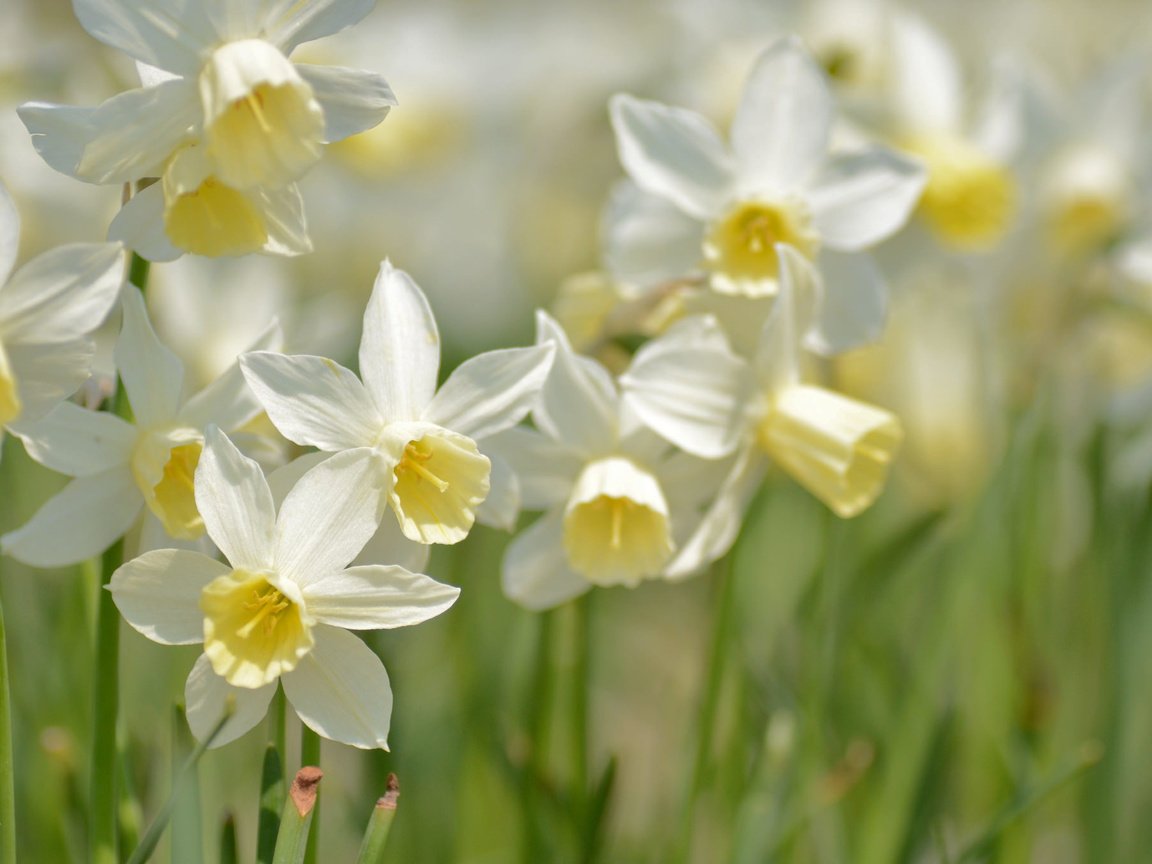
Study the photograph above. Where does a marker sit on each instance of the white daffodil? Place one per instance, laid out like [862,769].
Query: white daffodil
[837,448]
[620,505]
[225,119]
[436,476]
[281,607]
[697,207]
[122,467]
[47,311]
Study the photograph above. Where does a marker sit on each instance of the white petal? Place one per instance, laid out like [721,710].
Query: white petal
[777,360]
[647,240]
[291,22]
[78,442]
[854,305]
[341,691]
[718,529]
[281,481]
[153,376]
[377,596]
[492,391]
[929,92]
[353,100]
[502,506]
[673,153]
[690,388]
[140,226]
[313,401]
[159,594]
[545,469]
[59,132]
[400,347]
[330,514]
[168,34]
[206,695]
[535,573]
[389,546]
[781,130]
[9,233]
[228,402]
[64,294]
[81,521]
[579,402]
[863,197]
[49,373]
[233,499]
[283,213]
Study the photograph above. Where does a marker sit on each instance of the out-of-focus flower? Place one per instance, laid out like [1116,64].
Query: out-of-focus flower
[619,502]
[281,608]
[225,120]
[120,467]
[835,447]
[422,440]
[48,309]
[698,207]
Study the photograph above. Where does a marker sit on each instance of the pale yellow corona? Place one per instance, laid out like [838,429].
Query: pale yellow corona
[970,199]
[835,447]
[440,481]
[10,402]
[740,247]
[203,215]
[616,526]
[255,628]
[1088,193]
[164,465]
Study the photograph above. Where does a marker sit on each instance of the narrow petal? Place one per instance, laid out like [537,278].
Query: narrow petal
[690,388]
[389,546]
[781,130]
[64,294]
[49,373]
[81,521]
[647,240]
[492,391]
[777,359]
[290,22]
[377,596]
[59,133]
[341,691]
[159,594]
[673,153]
[235,503]
[228,401]
[9,234]
[545,469]
[535,573]
[353,100]
[78,442]
[207,696]
[853,307]
[168,34]
[283,213]
[140,226]
[281,481]
[865,197]
[579,402]
[153,376]
[313,401]
[929,92]
[400,347]
[502,506]
[330,514]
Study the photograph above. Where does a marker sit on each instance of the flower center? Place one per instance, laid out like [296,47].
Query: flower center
[441,479]
[253,631]
[263,126]
[835,447]
[616,527]
[740,248]
[970,199]
[1088,200]
[10,403]
[164,466]
[203,215]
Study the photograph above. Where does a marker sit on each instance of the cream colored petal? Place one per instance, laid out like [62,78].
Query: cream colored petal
[207,697]
[159,594]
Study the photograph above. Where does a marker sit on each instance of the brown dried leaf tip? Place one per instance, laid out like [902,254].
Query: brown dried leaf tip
[391,796]
[305,788]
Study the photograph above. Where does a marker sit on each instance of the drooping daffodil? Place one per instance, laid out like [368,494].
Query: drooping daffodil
[280,609]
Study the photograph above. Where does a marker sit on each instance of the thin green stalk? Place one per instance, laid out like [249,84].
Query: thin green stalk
[376,836]
[186,840]
[229,848]
[271,803]
[299,813]
[102,781]
[579,741]
[709,705]
[310,757]
[7,782]
[539,727]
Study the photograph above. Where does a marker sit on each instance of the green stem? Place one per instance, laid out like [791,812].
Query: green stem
[379,826]
[7,783]
[579,743]
[310,756]
[296,821]
[709,706]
